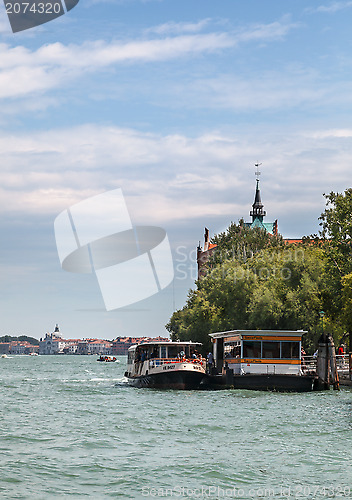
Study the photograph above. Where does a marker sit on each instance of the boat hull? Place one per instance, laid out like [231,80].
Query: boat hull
[261,382]
[184,380]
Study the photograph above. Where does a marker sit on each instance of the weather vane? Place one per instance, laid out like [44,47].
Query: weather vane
[257,173]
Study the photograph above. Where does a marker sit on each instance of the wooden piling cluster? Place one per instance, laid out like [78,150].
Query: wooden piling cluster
[326,364]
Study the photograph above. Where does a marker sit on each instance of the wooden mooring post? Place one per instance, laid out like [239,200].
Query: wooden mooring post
[326,364]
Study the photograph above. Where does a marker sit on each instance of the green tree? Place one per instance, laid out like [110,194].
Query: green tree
[287,290]
[336,234]
[277,288]
[346,282]
[336,222]
[240,242]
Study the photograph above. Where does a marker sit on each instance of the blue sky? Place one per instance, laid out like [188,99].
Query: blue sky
[174,102]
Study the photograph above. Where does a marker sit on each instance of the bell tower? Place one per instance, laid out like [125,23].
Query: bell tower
[257,212]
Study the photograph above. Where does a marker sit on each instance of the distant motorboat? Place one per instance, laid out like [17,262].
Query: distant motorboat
[4,356]
[108,359]
[33,354]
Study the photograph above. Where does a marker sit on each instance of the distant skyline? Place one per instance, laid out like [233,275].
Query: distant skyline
[174,102]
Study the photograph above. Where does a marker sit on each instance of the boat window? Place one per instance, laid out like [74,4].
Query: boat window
[173,351]
[163,351]
[251,349]
[290,350]
[271,350]
[154,353]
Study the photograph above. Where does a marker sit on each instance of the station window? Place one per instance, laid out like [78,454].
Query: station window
[232,349]
[271,350]
[290,350]
[252,349]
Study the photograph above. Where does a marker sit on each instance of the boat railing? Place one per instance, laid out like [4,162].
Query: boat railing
[168,361]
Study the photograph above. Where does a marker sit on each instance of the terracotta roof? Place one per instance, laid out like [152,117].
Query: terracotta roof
[292,240]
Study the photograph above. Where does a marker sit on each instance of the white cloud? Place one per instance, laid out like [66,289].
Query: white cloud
[56,65]
[332,133]
[268,91]
[178,28]
[331,8]
[171,178]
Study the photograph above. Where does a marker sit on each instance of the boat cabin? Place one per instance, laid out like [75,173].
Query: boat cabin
[259,352]
[163,351]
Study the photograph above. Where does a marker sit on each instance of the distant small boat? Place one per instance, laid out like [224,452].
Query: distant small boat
[33,354]
[4,356]
[108,359]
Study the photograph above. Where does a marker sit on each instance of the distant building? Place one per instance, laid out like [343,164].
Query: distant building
[204,254]
[53,343]
[18,347]
[4,347]
[94,346]
[121,345]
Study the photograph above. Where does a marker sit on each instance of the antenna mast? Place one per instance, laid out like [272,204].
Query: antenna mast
[257,173]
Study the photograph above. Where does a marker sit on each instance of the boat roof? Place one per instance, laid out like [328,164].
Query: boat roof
[157,343]
[257,333]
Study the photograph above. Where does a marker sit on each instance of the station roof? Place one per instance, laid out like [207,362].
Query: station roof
[258,333]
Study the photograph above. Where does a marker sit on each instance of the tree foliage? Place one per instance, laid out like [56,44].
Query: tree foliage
[267,286]
[240,242]
[22,338]
[336,234]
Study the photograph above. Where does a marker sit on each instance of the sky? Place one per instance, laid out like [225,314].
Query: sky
[174,102]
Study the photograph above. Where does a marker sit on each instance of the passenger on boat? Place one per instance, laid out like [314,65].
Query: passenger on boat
[210,359]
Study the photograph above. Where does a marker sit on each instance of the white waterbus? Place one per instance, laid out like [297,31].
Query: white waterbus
[166,365]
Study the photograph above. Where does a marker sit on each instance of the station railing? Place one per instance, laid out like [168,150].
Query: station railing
[309,364]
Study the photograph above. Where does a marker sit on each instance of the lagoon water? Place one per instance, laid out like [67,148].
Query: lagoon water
[71,428]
